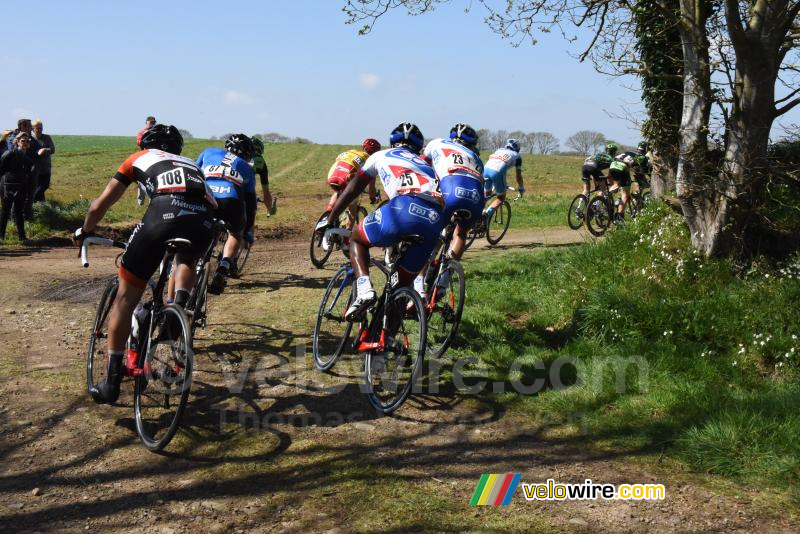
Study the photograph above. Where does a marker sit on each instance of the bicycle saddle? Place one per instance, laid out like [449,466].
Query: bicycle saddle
[462,215]
[178,243]
[413,239]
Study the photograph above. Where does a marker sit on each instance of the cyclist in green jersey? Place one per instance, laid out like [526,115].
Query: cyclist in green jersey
[260,168]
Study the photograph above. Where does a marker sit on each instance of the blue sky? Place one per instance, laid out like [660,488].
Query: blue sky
[293,67]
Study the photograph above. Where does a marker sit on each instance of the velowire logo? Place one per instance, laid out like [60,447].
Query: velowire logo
[495,489]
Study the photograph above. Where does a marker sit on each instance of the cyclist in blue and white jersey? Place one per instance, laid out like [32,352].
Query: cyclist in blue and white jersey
[415,207]
[494,173]
[232,182]
[459,169]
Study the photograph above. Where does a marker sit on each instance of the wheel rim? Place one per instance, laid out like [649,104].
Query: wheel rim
[391,375]
[497,226]
[332,331]
[162,391]
[446,314]
[576,212]
[598,216]
[97,358]
[319,255]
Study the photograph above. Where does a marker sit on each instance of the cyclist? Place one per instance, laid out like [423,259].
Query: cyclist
[459,169]
[593,166]
[342,171]
[619,172]
[642,168]
[232,182]
[414,207]
[181,206]
[259,165]
[494,174]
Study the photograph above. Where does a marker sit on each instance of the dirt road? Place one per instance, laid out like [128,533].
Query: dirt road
[269,444]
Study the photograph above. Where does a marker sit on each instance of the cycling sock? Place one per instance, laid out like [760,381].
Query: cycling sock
[419,285]
[181,297]
[363,285]
[224,265]
[489,212]
[114,366]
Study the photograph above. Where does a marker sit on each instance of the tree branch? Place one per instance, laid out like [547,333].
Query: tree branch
[780,111]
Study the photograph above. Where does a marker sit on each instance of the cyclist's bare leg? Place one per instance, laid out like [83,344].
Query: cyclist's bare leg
[497,201]
[457,244]
[332,201]
[352,213]
[119,320]
[625,195]
[359,254]
[232,246]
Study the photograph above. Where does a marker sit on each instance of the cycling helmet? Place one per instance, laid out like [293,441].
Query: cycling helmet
[370,145]
[612,148]
[643,147]
[163,137]
[464,134]
[258,146]
[407,134]
[512,144]
[241,145]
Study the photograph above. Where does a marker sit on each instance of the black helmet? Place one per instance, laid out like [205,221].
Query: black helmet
[258,146]
[512,144]
[407,134]
[163,137]
[241,145]
[643,147]
[464,134]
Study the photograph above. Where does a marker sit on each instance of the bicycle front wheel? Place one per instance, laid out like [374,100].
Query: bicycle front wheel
[162,389]
[97,357]
[390,374]
[497,226]
[318,254]
[244,254]
[575,214]
[473,232]
[332,331]
[197,306]
[598,216]
[445,307]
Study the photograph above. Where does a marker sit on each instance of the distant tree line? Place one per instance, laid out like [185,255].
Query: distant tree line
[584,142]
[273,137]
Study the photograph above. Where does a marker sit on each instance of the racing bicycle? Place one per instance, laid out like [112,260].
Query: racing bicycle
[319,255]
[159,358]
[495,228]
[602,208]
[391,333]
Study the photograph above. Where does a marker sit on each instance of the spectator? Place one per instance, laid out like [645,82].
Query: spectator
[43,164]
[149,122]
[33,152]
[3,141]
[16,171]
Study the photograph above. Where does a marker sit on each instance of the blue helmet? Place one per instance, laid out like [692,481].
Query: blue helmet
[407,134]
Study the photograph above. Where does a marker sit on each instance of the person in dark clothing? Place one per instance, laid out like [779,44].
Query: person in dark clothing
[16,172]
[43,163]
[33,151]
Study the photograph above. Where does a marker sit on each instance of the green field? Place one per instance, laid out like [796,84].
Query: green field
[83,165]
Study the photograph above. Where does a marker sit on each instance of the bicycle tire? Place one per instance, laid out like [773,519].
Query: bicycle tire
[472,233]
[100,332]
[386,396]
[598,216]
[448,308]
[319,255]
[326,354]
[159,382]
[198,301]
[497,226]
[574,218]
[244,254]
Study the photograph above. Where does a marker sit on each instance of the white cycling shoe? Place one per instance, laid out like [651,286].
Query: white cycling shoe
[361,303]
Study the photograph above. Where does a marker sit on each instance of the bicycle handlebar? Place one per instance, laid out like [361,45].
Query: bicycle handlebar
[97,240]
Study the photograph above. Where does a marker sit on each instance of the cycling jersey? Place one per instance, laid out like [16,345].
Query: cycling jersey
[618,170]
[163,173]
[450,158]
[402,172]
[346,167]
[501,160]
[259,166]
[602,160]
[228,175]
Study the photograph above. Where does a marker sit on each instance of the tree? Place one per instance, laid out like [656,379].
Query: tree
[185,133]
[585,142]
[542,142]
[483,139]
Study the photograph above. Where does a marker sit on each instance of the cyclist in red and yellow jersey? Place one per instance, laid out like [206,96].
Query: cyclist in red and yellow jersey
[343,170]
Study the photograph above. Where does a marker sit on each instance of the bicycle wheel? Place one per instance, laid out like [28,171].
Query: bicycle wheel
[598,216]
[391,374]
[497,226]
[197,306]
[162,389]
[318,254]
[575,214]
[244,253]
[473,232]
[332,331]
[98,340]
[446,304]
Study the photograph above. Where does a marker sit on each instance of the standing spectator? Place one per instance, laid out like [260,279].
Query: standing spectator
[149,122]
[16,171]
[34,150]
[3,141]
[43,164]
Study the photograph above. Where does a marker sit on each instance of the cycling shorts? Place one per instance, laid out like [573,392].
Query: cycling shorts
[496,180]
[622,178]
[589,171]
[231,210]
[339,178]
[462,193]
[402,216]
[167,217]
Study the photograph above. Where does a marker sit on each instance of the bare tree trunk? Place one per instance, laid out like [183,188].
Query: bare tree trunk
[665,166]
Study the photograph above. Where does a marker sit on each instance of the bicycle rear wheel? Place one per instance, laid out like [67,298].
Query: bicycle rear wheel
[474,232]
[332,331]
[244,253]
[97,357]
[497,226]
[318,254]
[197,306]
[390,375]
[598,216]
[575,214]
[162,389]
[446,305]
